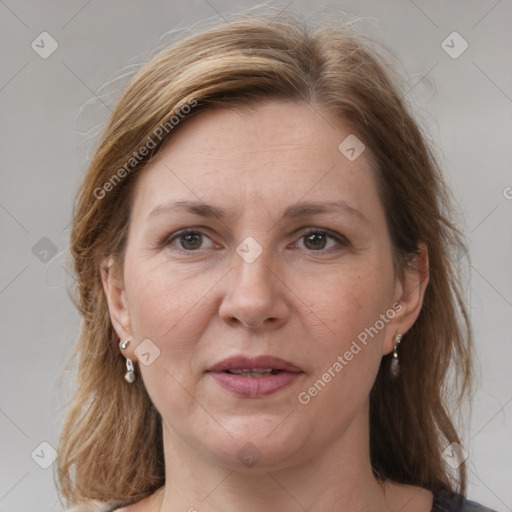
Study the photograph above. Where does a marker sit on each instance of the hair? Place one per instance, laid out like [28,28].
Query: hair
[111,442]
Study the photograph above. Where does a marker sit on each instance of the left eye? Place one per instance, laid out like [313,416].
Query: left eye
[317,240]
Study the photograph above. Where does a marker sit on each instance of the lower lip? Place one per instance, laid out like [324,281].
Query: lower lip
[255,386]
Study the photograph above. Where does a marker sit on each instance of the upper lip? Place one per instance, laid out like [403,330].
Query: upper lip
[260,362]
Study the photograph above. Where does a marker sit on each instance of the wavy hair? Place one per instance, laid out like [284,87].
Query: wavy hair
[250,59]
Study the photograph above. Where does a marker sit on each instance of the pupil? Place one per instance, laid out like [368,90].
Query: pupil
[189,239]
[315,238]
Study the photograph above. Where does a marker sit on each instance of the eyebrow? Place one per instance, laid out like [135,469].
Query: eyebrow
[301,209]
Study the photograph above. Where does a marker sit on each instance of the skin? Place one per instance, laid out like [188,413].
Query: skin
[199,302]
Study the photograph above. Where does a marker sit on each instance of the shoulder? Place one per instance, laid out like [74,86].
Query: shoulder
[472,506]
[117,506]
[445,501]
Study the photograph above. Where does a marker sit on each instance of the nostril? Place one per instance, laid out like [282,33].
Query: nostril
[267,320]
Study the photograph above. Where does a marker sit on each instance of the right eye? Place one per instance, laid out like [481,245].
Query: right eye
[188,240]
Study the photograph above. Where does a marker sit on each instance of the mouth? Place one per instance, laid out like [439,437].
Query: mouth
[257,373]
[254,377]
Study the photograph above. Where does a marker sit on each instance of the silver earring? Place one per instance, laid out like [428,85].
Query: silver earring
[395,364]
[129,376]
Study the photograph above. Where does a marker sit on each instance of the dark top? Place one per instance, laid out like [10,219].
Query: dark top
[448,502]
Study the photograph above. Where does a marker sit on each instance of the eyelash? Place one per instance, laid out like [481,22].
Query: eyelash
[167,240]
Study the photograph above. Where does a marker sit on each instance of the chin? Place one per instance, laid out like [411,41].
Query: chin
[258,446]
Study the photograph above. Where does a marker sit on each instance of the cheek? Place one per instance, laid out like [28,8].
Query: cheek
[167,306]
[170,309]
[356,313]
[347,301]
[347,349]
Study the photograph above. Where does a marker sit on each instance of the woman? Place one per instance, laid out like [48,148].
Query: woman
[262,251]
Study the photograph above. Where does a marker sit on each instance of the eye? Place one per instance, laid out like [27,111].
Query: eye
[317,240]
[314,240]
[187,240]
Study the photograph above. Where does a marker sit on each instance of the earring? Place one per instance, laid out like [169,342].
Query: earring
[129,376]
[395,364]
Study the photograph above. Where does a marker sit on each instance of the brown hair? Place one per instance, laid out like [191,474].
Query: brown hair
[111,443]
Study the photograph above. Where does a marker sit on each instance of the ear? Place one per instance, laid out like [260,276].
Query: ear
[409,294]
[113,285]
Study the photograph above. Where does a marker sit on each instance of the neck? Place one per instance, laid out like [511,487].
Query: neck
[338,478]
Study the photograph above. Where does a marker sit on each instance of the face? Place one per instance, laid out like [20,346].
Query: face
[267,275]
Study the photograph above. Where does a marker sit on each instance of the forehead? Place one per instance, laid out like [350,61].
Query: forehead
[276,154]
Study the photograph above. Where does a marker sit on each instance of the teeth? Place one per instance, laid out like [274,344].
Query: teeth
[253,370]
[254,374]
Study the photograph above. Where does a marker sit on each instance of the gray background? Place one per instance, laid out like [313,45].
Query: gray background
[51,114]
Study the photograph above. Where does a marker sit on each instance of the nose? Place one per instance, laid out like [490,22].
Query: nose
[255,296]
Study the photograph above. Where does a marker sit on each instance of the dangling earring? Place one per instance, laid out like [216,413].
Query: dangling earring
[129,376]
[395,364]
